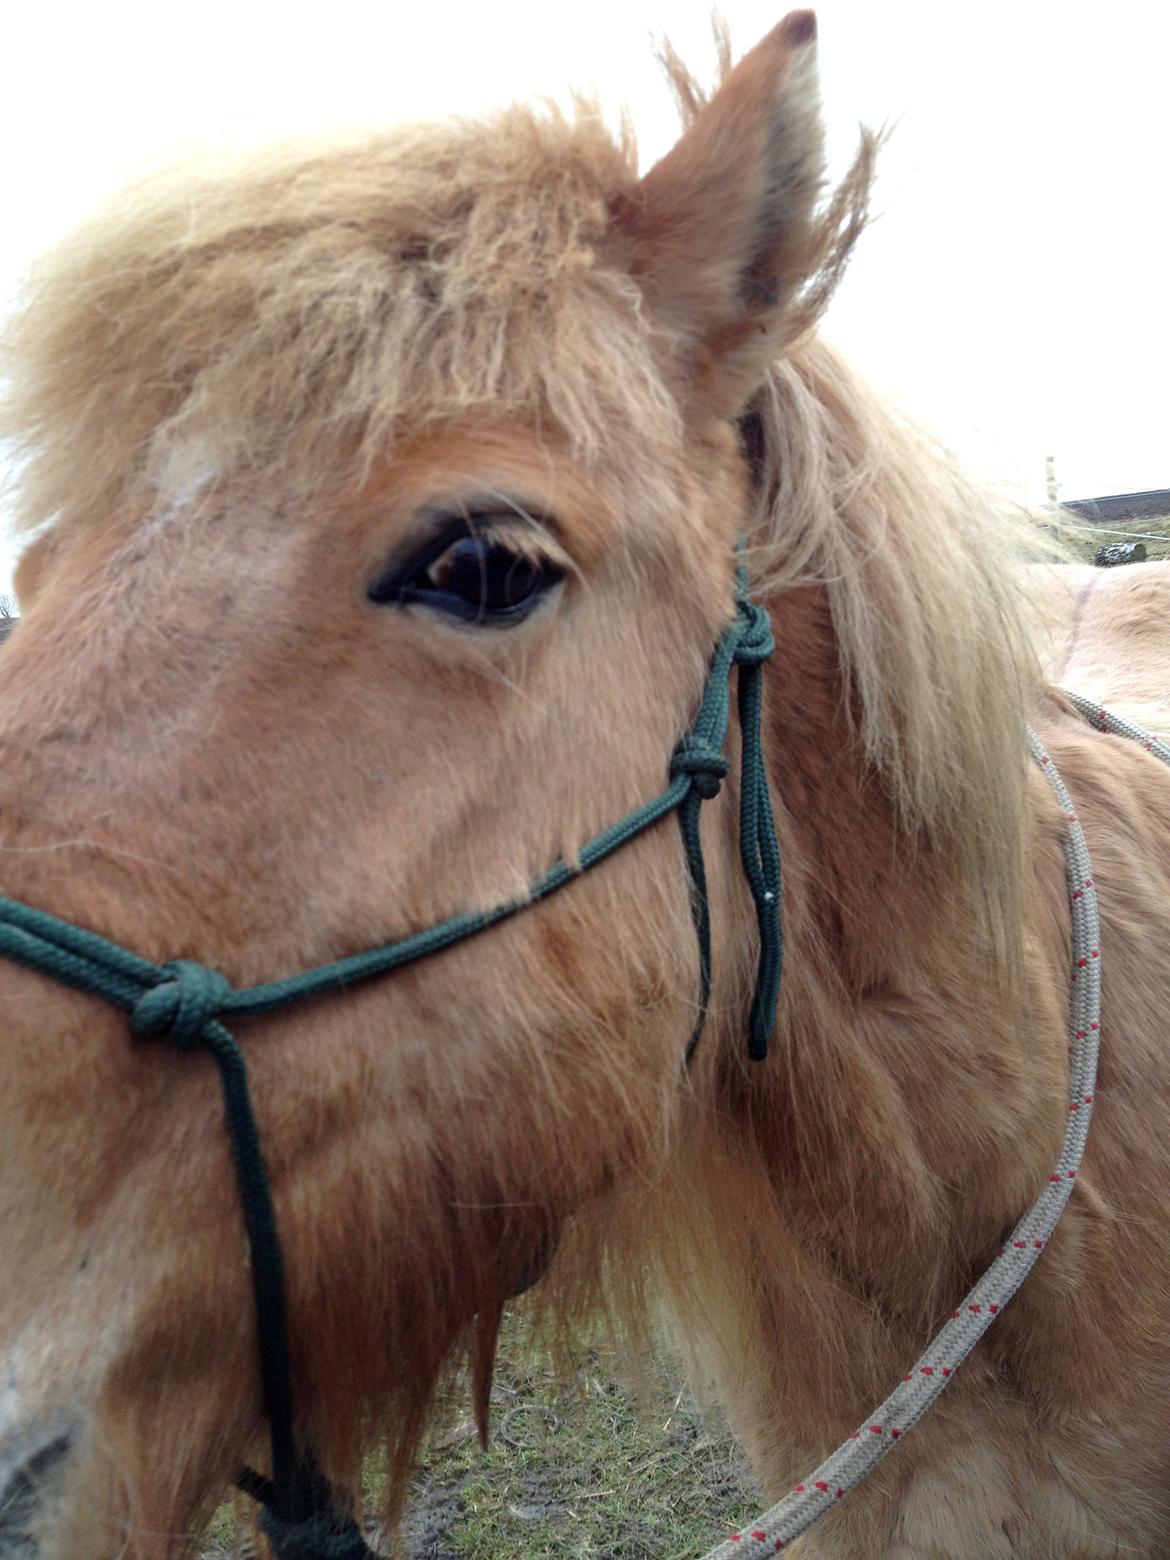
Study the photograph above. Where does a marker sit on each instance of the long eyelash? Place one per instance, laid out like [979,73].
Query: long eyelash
[538,525]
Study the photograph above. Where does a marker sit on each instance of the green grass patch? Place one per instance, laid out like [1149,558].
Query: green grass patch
[577,1465]
[1085,544]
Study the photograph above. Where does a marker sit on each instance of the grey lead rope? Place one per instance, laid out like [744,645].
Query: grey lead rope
[876,1436]
[1117,725]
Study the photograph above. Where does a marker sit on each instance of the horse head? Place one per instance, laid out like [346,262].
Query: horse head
[389,495]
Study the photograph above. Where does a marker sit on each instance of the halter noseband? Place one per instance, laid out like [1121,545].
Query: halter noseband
[184,1002]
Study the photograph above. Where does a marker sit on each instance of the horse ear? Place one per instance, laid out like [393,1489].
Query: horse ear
[722,232]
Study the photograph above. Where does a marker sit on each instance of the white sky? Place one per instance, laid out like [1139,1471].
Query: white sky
[1013,293]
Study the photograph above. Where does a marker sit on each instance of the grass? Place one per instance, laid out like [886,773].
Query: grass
[1085,544]
[576,1466]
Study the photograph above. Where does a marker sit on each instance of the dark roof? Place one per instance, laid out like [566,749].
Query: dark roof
[1123,506]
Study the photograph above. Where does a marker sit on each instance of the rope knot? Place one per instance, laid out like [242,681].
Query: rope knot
[318,1537]
[755,643]
[180,1006]
[706,765]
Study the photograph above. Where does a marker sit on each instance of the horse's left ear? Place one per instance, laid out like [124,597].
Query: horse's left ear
[722,233]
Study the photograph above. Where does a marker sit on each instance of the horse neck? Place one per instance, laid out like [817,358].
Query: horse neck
[914,1095]
[849,882]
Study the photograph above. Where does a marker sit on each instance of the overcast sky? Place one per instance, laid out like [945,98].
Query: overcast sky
[1013,293]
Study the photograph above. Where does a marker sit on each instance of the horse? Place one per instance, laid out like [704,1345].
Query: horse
[389,496]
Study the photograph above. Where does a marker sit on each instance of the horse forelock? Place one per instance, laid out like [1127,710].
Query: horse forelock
[286,314]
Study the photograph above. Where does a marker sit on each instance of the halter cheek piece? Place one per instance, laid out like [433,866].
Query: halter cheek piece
[184,1002]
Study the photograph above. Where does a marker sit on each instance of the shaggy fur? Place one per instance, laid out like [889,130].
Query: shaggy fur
[239,395]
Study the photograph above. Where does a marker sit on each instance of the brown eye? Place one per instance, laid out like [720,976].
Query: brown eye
[476,579]
[488,577]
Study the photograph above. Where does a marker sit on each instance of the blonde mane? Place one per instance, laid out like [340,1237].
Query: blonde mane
[923,567]
[923,571]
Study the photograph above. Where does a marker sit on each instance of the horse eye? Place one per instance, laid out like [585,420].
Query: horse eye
[476,579]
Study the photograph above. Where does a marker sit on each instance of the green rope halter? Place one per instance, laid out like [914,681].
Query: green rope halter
[184,1002]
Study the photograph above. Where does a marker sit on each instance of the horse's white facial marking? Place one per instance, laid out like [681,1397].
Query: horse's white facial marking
[182,475]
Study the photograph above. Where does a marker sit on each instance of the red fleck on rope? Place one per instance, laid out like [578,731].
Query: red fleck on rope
[927,1378]
[1117,725]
